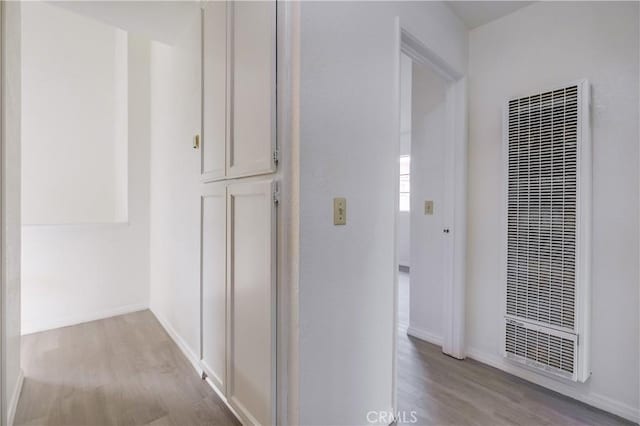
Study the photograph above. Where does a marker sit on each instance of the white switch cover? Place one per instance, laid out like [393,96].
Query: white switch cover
[428,207]
[339,211]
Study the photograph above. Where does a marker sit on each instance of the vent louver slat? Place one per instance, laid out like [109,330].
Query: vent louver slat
[541,246]
[543,132]
[548,351]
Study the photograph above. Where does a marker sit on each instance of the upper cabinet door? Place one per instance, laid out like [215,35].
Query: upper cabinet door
[252,139]
[215,100]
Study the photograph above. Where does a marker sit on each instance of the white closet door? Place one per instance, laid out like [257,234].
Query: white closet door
[253,89]
[214,102]
[214,293]
[251,275]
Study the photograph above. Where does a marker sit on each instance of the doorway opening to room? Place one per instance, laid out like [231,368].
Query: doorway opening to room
[403,235]
[137,227]
[429,220]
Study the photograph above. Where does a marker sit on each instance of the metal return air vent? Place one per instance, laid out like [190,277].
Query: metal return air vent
[538,348]
[548,157]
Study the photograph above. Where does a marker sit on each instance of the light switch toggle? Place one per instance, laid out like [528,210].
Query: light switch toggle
[339,211]
[428,207]
[196,142]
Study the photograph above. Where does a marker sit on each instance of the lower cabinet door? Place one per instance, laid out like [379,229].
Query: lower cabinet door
[251,275]
[213,228]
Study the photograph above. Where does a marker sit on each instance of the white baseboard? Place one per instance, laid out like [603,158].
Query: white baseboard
[424,335]
[36,327]
[179,341]
[223,398]
[193,359]
[13,404]
[599,401]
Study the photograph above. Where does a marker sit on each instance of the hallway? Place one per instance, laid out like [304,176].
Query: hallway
[204,205]
[123,370]
[445,391]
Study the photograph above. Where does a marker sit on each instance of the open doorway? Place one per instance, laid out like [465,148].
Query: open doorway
[430,225]
[421,241]
[132,256]
[97,88]
[403,235]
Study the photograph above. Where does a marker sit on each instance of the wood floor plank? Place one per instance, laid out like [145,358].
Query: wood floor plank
[126,370]
[445,391]
[119,371]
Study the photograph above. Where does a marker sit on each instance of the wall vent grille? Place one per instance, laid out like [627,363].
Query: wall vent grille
[547,149]
[541,348]
[541,241]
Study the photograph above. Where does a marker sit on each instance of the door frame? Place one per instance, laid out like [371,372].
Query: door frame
[454,201]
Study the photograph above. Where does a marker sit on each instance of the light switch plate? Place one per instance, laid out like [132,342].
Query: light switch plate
[428,207]
[339,211]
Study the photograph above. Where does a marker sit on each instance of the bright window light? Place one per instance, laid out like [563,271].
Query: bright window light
[405,183]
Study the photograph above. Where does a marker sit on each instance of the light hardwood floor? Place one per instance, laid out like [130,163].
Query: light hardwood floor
[127,371]
[445,391]
[123,370]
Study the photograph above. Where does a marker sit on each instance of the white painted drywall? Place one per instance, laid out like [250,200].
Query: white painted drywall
[10,372]
[349,148]
[163,21]
[175,187]
[536,48]
[403,237]
[76,273]
[74,118]
[428,174]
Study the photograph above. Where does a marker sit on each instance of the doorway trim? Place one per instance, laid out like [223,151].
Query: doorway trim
[455,190]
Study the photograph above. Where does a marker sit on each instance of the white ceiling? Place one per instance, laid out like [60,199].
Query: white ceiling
[476,13]
[159,20]
[165,20]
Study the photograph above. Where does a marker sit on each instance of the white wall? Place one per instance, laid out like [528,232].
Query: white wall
[427,183]
[76,273]
[74,118]
[403,236]
[539,47]
[163,21]
[349,147]
[175,186]
[10,372]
